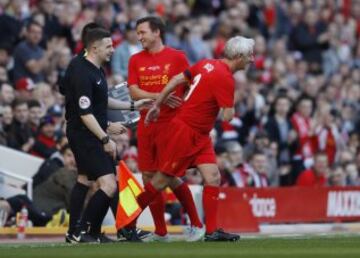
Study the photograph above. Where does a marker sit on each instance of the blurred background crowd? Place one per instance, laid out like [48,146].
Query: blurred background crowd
[297,106]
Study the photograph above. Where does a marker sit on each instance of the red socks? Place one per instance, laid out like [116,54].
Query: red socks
[157,209]
[183,194]
[210,204]
[154,199]
[146,197]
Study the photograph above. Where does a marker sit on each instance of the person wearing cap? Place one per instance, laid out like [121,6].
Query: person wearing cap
[122,54]
[24,88]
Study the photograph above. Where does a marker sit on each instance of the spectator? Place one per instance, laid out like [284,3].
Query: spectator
[310,38]
[318,174]
[260,171]
[54,193]
[30,59]
[7,94]
[19,134]
[128,47]
[14,204]
[35,114]
[304,127]
[53,163]
[280,131]
[337,176]
[45,142]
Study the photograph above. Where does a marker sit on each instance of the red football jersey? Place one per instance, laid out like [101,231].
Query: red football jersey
[152,71]
[212,87]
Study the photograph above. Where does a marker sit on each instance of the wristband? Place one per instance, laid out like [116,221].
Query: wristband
[132,106]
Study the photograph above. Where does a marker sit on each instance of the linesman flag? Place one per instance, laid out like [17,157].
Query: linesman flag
[129,188]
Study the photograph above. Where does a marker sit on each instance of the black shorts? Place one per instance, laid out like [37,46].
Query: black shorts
[91,159]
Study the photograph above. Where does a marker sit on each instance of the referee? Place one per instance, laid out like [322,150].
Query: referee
[86,114]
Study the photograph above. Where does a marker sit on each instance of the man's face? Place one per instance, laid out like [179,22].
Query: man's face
[146,36]
[48,130]
[104,49]
[35,115]
[305,108]
[7,94]
[321,164]
[282,106]
[34,34]
[7,115]
[244,60]
[21,113]
[259,164]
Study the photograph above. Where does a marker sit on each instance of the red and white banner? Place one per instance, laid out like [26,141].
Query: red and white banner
[242,209]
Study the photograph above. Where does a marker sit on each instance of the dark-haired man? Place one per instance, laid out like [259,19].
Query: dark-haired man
[86,114]
[149,72]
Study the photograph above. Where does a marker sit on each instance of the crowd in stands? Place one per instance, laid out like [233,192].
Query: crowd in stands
[297,106]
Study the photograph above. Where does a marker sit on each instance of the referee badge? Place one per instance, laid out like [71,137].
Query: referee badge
[84,102]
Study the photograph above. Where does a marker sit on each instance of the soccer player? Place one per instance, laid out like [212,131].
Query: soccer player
[149,72]
[187,136]
[87,101]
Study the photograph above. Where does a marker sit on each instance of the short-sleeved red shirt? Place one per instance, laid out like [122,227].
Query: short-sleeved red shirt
[212,87]
[152,71]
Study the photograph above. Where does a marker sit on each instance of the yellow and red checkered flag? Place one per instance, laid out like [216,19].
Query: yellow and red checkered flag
[129,188]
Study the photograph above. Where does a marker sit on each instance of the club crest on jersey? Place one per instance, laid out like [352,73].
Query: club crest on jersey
[142,69]
[166,68]
[208,67]
[84,102]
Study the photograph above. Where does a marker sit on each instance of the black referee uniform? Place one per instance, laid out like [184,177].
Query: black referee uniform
[86,92]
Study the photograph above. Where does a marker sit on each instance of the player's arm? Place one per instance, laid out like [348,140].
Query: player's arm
[227,113]
[175,81]
[154,112]
[129,105]
[136,93]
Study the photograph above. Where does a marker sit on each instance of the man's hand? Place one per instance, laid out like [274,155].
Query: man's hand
[116,128]
[152,114]
[173,101]
[110,148]
[143,104]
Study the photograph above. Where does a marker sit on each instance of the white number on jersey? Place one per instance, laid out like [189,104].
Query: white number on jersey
[195,83]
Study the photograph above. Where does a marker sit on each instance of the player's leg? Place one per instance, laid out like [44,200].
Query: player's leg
[148,165]
[211,175]
[183,194]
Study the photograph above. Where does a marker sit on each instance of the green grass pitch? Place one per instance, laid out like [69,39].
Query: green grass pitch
[323,246]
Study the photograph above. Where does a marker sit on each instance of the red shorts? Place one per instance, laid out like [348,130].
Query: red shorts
[147,145]
[182,147]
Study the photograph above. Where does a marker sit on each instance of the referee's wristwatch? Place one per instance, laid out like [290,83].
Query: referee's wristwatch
[105,139]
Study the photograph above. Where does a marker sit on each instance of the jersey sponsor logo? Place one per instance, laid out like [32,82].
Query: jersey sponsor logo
[154,68]
[84,102]
[208,67]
